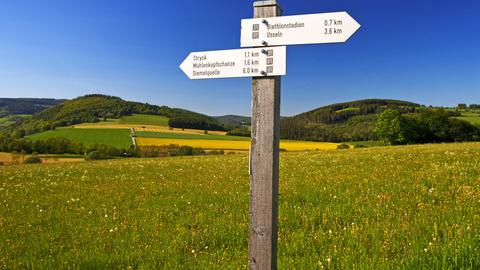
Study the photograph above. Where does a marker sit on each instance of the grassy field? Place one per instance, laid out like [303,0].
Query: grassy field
[132,120]
[116,137]
[472,117]
[185,136]
[242,145]
[415,207]
[144,119]
[5,121]
[7,159]
[8,120]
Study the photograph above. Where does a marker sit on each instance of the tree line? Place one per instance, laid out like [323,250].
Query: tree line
[342,122]
[61,145]
[427,126]
[195,122]
[464,106]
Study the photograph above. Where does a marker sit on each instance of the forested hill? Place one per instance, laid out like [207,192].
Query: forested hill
[349,121]
[95,108]
[234,120]
[340,112]
[10,106]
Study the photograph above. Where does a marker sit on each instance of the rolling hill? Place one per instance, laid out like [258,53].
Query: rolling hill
[348,121]
[341,122]
[236,121]
[96,108]
[14,110]
[10,106]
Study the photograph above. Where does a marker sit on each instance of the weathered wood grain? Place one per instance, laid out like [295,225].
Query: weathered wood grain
[264,160]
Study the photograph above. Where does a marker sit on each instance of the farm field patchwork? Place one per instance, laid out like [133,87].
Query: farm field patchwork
[146,128]
[413,207]
[119,138]
[234,144]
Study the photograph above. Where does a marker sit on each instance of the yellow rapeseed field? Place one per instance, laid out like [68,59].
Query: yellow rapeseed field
[5,158]
[235,145]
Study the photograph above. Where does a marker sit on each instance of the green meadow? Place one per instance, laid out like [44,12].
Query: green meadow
[119,138]
[411,207]
[10,119]
[4,122]
[146,134]
[471,116]
[144,119]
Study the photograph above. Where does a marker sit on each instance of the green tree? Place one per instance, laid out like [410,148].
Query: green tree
[392,127]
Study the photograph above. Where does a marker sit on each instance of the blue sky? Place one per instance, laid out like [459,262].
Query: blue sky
[424,51]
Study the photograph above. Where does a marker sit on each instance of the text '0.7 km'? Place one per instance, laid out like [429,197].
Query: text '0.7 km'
[320,28]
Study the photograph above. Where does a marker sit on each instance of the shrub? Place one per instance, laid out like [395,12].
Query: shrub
[32,160]
[216,152]
[359,145]
[243,132]
[96,155]
[392,127]
[343,146]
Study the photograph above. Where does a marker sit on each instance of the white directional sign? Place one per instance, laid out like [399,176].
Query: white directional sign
[302,29]
[255,62]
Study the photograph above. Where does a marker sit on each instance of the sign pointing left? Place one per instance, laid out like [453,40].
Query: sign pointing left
[255,62]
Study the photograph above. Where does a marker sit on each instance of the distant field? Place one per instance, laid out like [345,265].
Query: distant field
[129,121]
[472,117]
[184,136]
[6,158]
[409,207]
[119,138]
[144,119]
[347,109]
[146,128]
[367,143]
[103,124]
[6,121]
[243,145]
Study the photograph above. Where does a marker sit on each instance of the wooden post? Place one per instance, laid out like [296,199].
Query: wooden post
[264,161]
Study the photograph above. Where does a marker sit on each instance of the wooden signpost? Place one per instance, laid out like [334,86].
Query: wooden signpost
[265,64]
[264,160]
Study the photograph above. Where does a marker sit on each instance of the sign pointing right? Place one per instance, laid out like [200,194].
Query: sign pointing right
[333,27]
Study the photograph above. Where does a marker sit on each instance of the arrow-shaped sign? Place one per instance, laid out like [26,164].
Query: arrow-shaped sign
[302,29]
[255,62]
